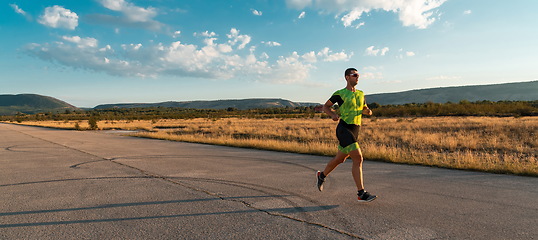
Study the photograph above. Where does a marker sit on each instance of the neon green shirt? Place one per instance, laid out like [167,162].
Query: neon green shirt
[350,103]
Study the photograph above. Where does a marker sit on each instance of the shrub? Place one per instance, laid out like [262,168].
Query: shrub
[93,123]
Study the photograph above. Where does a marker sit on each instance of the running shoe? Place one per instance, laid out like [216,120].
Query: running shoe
[319,181]
[366,197]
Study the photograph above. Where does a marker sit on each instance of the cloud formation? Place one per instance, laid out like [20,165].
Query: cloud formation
[231,57]
[131,16]
[235,38]
[82,42]
[326,55]
[272,44]
[20,11]
[405,54]
[131,12]
[370,51]
[59,17]
[417,13]
[256,12]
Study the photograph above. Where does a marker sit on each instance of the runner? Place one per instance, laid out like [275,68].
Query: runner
[352,106]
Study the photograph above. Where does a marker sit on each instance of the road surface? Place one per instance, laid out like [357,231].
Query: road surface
[58,184]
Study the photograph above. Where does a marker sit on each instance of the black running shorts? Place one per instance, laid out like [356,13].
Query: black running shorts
[347,135]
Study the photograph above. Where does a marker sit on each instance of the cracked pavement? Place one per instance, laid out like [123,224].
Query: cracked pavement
[59,184]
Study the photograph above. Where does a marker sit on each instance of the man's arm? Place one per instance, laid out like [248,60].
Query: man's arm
[366,110]
[329,111]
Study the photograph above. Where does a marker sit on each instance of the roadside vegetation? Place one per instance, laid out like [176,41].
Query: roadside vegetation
[463,108]
[489,143]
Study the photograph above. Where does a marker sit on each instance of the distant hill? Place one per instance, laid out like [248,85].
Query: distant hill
[31,103]
[522,91]
[241,104]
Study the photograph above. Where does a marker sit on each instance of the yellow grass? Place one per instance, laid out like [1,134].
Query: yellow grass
[500,145]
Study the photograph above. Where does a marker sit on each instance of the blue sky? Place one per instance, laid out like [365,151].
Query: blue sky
[91,52]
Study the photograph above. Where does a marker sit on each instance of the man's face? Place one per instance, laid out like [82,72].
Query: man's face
[353,78]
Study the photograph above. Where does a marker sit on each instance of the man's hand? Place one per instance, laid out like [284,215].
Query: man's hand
[367,111]
[335,117]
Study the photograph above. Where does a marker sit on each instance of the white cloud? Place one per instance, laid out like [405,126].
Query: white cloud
[299,4]
[467,12]
[256,12]
[290,69]
[353,15]
[384,51]
[224,48]
[327,55]
[205,34]
[310,57]
[17,9]
[82,42]
[371,72]
[371,75]
[214,59]
[405,54]
[235,38]
[59,17]
[176,34]
[131,47]
[131,11]
[359,25]
[133,16]
[371,68]
[264,56]
[417,13]
[302,15]
[370,51]
[272,44]
[106,48]
[20,11]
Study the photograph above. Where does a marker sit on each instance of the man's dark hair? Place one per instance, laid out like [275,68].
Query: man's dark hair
[348,71]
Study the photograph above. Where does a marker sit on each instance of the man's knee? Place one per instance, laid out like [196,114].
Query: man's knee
[356,156]
[339,159]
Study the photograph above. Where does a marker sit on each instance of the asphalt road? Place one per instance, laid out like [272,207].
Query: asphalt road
[58,184]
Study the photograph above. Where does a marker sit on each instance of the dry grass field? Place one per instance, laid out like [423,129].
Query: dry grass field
[498,145]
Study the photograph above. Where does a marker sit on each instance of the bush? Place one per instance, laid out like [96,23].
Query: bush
[93,123]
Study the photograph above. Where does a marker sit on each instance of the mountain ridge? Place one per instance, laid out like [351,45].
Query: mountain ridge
[519,91]
[11,104]
[241,104]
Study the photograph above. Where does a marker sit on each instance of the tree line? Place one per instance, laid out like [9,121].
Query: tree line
[462,108]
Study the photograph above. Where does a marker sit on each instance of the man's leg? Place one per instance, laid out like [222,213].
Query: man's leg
[337,160]
[356,169]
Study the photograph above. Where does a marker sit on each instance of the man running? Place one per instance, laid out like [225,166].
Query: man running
[352,105]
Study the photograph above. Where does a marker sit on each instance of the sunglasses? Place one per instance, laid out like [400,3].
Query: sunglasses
[354,75]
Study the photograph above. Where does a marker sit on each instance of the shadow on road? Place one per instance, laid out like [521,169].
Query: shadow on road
[289,210]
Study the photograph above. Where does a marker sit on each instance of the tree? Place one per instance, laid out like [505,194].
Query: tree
[93,123]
